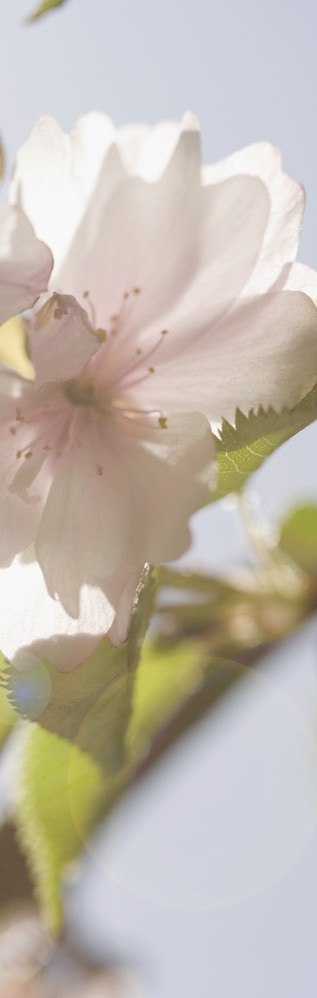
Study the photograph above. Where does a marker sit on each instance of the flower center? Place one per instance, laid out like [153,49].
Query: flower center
[80,391]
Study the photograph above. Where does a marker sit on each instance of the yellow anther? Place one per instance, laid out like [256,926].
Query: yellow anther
[47,447]
[13,430]
[163,422]
[151,370]
[100,470]
[19,417]
[28,454]
[85,294]
[102,333]
[126,294]
[136,291]
[18,453]
[138,350]
[164,332]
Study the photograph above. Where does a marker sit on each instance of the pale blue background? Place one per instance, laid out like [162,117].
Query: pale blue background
[236,802]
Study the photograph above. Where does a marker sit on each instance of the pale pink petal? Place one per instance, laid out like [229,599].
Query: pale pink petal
[121,498]
[263,352]
[60,337]
[287,205]
[19,522]
[34,627]
[25,263]
[132,235]
[55,174]
[298,277]
[160,247]
[146,151]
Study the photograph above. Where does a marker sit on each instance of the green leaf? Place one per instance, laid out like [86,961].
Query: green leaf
[91,705]
[61,791]
[55,779]
[298,537]
[44,8]
[242,449]
[166,677]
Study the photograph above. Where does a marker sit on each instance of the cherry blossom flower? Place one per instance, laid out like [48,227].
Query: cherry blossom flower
[173,299]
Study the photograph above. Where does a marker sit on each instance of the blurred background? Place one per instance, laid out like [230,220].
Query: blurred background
[205,878]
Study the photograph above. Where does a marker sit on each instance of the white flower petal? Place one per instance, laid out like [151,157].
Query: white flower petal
[55,175]
[25,263]
[34,627]
[123,497]
[175,273]
[287,205]
[19,522]
[300,278]
[146,151]
[61,339]
[263,352]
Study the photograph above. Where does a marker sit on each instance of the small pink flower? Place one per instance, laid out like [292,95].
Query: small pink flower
[173,300]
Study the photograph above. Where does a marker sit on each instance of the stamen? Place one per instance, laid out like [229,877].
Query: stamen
[102,333]
[18,454]
[136,291]
[135,367]
[86,294]
[19,417]
[100,470]
[135,414]
[47,447]
[44,314]
[28,454]
[164,332]
[12,430]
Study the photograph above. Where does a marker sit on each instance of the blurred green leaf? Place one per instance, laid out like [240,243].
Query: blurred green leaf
[242,449]
[109,720]
[92,704]
[44,8]
[298,537]
[61,791]
[74,759]
[51,772]
[166,677]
